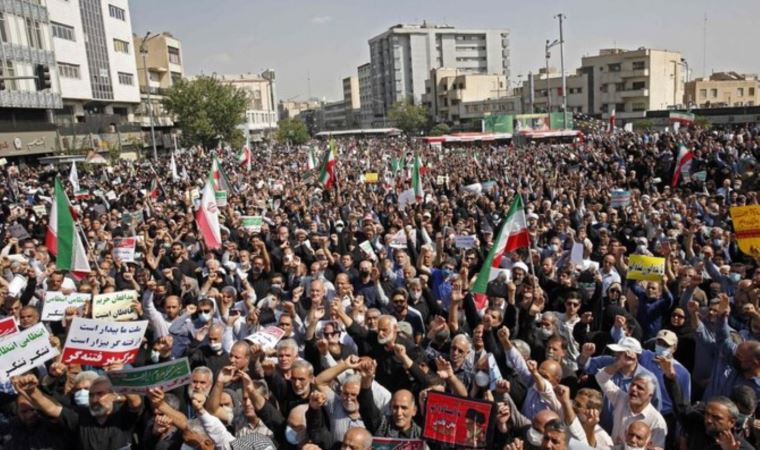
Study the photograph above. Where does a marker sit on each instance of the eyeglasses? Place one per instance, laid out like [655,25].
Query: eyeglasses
[205,311]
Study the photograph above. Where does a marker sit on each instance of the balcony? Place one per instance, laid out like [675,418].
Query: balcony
[640,73]
[630,93]
[153,90]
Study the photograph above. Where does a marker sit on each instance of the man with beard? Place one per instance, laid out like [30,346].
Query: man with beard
[201,381]
[32,432]
[107,424]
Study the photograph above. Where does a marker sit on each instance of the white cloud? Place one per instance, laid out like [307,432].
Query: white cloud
[321,20]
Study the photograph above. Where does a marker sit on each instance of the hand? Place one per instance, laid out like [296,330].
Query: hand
[227,375]
[443,368]
[57,369]
[336,307]
[563,393]
[728,441]
[588,349]
[198,400]
[504,335]
[724,307]
[457,297]
[164,344]
[532,366]
[316,313]
[620,321]
[692,307]
[517,444]
[666,364]
[268,366]
[749,309]
[297,293]
[438,323]
[201,333]
[113,367]
[25,384]
[156,396]
[352,362]
[399,350]
[368,367]
[310,446]
[591,419]
[502,414]
[323,346]
[317,399]
[503,387]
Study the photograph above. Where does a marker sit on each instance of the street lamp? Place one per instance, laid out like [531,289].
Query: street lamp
[144,53]
[561,17]
[548,88]
[686,79]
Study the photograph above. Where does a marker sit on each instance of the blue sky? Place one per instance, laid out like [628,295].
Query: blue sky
[324,41]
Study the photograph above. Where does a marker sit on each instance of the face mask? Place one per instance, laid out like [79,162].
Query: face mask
[154,356]
[554,248]
[416,294]
[661,350]
[359,318]
[257,270]
[292,436]
[734,277]
[482,378]
[276,286]
[205,317]
[630,447]
[215,346]
[534,437]
[717,242]
[82,397]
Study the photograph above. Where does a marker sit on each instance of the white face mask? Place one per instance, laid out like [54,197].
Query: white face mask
[630,447]
[482,378]
[534,437]
[215,346]
[154,356]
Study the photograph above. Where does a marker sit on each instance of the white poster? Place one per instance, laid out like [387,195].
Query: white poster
[26,350]
[398,240]
[405,198]
[464,241]
[124,249]
[55,304]
[99,342]
[267,337]
[115,306]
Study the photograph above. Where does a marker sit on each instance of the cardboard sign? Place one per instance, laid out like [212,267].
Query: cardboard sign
[221,198]
[124,249]
[576,254]
[441,180]
[251,223]
[39,210]
[454,420]
[464,241]
[366,247]
[645,268]
[18,231]
[398,240]
[97,343]
[8,327]
[26,350]
[114,306]
[407,197]
[746,220]
[620,198]
[55,304]
[380,443]
[267,337]
[165,376]
[370,177]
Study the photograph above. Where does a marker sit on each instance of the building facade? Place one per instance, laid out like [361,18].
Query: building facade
[261,115]
[290,109]
[351,101]
[401,58]
[723,89]
[333,116]
[364,75]
[473,110]
[547,92]
[158,71]
[447,88]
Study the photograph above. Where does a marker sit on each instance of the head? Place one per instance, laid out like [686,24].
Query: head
[239,355]
[357,439]
[551,370]
[301,377]
[587,400]
[386,330]
[460,348]
[720,415]
[295,431]
[200,380]
[678,318]
[26,412]
[101,397]
[400,303]
[349,394]
[637,435]
[403,409]
[556,436]
[748,357]
[172,307]
[372,318]
[641,391]
[287,353]
[28,317]
[535,434]
[556,348]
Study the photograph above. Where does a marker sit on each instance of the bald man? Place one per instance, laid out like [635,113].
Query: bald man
[638,435]
[400,423]
[541,381]
[357,439]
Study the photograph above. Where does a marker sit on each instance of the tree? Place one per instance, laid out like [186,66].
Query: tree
[293,131]
[410,118]
[207,110]
[440,130]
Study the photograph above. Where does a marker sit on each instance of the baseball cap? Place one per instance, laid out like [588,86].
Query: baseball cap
[627,344]
[667,337]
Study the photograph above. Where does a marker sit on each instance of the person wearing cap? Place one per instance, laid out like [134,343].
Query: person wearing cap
[635,404]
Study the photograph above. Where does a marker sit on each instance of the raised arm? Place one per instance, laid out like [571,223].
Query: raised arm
[156,397]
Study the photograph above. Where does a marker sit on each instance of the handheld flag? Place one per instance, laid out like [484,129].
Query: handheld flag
[683,163]
[220,180]
[245,156]
[207,216]
[173,167]
[327,172]
[417,178]
[74,177]
[62,239]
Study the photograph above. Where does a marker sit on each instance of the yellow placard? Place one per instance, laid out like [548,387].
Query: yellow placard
[370,177]
[645,268]
[746,220]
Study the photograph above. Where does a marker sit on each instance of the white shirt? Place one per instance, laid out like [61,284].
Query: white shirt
[623,416]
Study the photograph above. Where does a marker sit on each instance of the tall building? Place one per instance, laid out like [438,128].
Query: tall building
[25,125]
[447,88]
[162,63]
[261,115]
[401,58]
[95,55]
[723,89]
[351,101]
[364,75]
[547,92]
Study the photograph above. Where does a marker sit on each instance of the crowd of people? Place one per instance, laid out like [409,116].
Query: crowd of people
[376,305]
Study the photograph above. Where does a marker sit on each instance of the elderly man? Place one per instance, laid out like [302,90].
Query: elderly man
[357,439]
[638,436]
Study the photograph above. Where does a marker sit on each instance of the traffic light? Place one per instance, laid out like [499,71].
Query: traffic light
[42,77]
[2,75]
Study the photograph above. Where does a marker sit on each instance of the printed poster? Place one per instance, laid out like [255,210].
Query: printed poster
[407,197]
[26,350]
[8,327]
[267,337]
[114,306]
[251,223]
[645,268]
[124,249]
[746,220]
[221,198]
[93,342]
[620,198]
[464,241]
[381,443]
[398,240]
[55,304]
[370,177]
[166,376]
[454,420]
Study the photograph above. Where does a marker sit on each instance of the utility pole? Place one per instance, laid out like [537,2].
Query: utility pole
[144,53]
[548,87]
[561,17]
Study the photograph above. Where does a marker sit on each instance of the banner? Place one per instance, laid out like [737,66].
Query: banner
[746,220]
[406,197]
[645,268]
[370,177]
[267,337]
[620,198]
[26,350]
[251,223]
[464,241]
[455,420]
[124,249]
[55,304]
[398,240]
[165,376]
[97,343]
[498,124]
[221,198]
[8,327]
[380,443]
[114,306]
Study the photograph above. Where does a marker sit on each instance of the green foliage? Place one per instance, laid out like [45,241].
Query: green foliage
[410,118]
[292,130]
[207,110]
[440,130]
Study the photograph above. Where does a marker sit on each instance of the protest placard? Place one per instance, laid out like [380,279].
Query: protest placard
[746,220]
[381,443]
[17,284]
[55,304]
[165,376]
[267,337]
[114,306]
[645,268]
[124,249]
[576,254]
[464,241]
[251,223]
[98,343]
[221,198]
[398,240]
[700,176]
[26,350]
[8,327]
[455,420]
[370,177]
[406,197]
[620,198]
[40,210]
[366,247]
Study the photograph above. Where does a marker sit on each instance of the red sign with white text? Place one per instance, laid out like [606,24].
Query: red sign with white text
[451,419]
[8,327]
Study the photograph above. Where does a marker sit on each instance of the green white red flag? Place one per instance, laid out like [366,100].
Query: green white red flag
[419,193]
[207,215]
[312,162]
[327,171]
[683,163]
[220,180]
[62,239]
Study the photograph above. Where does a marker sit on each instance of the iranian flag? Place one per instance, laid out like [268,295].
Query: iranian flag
[417,178]
[327,172]
[173,167]
[312,162]
[683,163]
[684,118]
[612,119]
[245,157]
[62,239]
[219,178]
[153,190]
[207,216]
[74,177]
[512,236]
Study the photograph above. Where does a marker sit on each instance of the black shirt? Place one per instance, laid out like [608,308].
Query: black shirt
[114,434]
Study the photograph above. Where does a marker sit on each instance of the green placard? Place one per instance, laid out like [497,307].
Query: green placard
[168,375]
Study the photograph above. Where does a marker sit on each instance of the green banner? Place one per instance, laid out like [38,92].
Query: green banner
[498,124]
[166,376]
[556,123]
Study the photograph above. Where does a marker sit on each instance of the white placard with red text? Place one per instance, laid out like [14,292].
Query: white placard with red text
[98,343]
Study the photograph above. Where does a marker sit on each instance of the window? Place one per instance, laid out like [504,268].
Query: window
[120,46]
[176,77]
[703,93]
[62,31]
[638,107]
[619,87]
[69,70]
[613,67]
[714,93]
[116,12]
[34,33]
[636,85]
[126,78]
[639,65]
[174,55]
[751,92]
[3,34]
[740,92]
[10,71]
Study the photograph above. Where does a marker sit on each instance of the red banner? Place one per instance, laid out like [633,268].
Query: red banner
[8,327]
[450,419]
[97,358]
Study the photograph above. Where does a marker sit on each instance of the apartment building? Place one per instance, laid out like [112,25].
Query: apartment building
[290,109]
[447,88]
[723,89]
[366,115]
[261,115]
[547,92]
[351,101]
